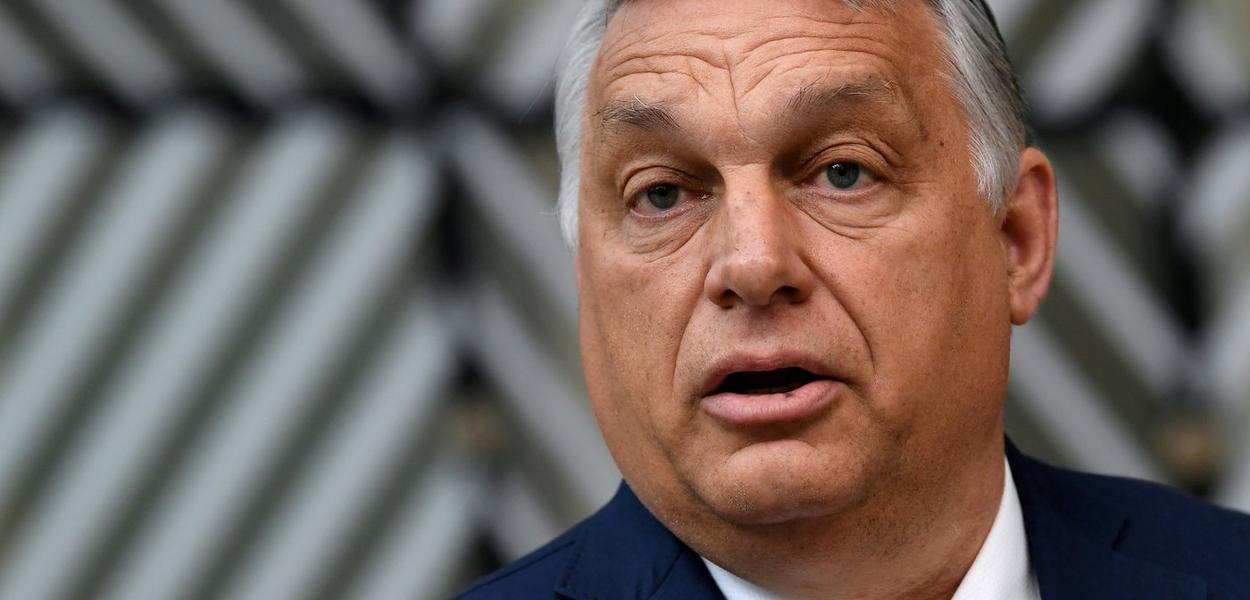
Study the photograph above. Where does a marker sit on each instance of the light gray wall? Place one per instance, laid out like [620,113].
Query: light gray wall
[284,312]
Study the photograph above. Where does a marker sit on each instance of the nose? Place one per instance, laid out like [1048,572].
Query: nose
[758,257]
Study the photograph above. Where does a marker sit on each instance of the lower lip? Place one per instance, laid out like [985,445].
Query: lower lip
[769,409]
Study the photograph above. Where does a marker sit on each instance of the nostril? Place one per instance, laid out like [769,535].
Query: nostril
[789,293]
[728,298]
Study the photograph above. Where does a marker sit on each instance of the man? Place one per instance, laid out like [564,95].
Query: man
[803,230]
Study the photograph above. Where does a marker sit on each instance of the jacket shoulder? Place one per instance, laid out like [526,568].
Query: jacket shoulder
[534,575]
[1168,527]
[1156,510]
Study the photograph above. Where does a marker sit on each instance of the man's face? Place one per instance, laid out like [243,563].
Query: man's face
[793,299]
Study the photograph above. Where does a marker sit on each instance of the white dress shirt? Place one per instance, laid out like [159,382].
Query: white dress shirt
[1000,571]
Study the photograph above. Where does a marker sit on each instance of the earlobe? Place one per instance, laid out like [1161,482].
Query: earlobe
[1029,233]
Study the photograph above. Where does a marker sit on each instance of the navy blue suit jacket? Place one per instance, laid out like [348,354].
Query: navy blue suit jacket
[1089,537]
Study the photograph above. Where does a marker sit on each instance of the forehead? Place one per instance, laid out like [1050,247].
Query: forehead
[746,51]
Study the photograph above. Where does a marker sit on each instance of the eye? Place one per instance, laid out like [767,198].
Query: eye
[847,176]
[658,198]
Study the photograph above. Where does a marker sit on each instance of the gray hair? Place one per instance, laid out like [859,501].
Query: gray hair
[976,56]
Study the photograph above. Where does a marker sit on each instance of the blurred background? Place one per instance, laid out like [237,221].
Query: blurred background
[284,312]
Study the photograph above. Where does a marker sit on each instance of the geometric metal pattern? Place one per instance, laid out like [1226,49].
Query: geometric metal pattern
[285,313]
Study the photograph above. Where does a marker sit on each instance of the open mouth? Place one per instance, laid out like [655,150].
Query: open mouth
[776,381]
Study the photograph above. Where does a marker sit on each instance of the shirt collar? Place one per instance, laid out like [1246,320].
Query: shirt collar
[1001,569]
[736,588]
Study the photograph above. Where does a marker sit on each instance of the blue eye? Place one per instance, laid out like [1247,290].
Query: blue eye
[843,175]
[663,196]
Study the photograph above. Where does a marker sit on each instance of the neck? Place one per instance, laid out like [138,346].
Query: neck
[917,544]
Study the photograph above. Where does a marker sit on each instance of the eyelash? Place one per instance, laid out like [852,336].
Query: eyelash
[816,164]
[685,198]
[667,177]
[864,172]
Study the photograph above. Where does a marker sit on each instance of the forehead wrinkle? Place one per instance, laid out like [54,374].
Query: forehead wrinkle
[799,45]
[670,45]
[744,62]
[736,61]
[690,66]
[808,48]
[617,92]
[703,72]
[777,69]
[874,33]
[853,16]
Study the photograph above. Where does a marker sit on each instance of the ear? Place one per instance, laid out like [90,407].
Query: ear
[1029,230]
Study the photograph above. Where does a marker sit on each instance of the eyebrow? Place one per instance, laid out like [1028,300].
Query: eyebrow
[638,113]
[815,97]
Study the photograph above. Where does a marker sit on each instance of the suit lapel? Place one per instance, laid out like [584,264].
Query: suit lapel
[688,579]
[625,553]
[1072,538]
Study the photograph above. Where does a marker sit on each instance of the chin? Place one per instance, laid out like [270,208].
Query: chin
[780,482]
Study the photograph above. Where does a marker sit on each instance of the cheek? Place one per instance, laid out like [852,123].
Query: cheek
[634,318]
[926,297]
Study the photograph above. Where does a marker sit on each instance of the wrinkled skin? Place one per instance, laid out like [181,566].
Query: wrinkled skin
[902,286]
